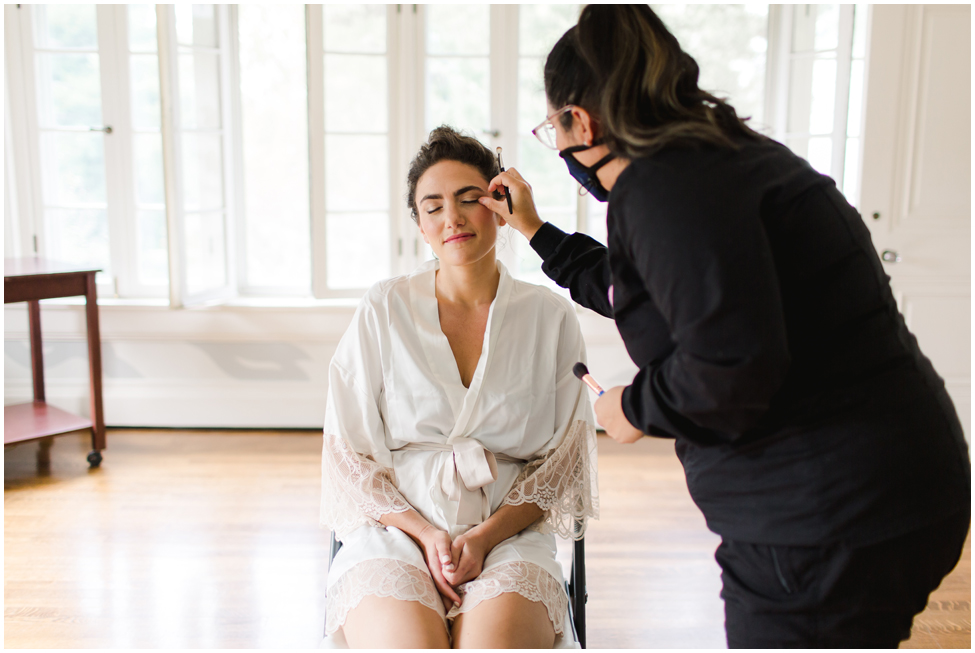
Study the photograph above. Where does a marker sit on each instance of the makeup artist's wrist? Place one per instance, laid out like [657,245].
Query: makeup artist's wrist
[531,229]
[546,239]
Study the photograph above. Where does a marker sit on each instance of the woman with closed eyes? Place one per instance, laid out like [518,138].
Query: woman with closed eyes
[458,442]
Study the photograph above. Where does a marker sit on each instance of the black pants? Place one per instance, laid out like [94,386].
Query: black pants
[834,596]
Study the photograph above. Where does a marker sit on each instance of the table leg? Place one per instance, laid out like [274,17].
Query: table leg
[94,365]
[36,351]
[44,451]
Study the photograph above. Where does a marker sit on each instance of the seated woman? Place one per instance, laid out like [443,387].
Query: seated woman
[457,439]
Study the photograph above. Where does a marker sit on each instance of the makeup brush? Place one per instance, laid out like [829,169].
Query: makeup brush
[507,193]
[580,370]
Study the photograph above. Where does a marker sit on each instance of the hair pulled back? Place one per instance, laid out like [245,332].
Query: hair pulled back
[622,65]
[447,144]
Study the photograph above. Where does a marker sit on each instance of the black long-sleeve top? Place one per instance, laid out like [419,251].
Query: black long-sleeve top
[749,294]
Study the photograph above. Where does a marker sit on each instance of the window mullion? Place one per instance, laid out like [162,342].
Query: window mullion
[783,61]
[398,85]
[844,60]
[315,49]
[119,182]
[234,138]
[22,137]
[172,159]
[31,198]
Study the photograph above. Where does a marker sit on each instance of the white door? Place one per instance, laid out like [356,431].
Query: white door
[916,189]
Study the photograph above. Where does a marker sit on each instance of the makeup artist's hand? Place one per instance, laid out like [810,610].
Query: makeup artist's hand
[609,414]
[523,217]
[468,552]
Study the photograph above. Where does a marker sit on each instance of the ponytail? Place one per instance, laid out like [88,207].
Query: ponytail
[622,65]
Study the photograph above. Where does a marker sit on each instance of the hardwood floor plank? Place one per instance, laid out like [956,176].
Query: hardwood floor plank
[210,539]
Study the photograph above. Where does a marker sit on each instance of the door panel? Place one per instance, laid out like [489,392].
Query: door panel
[916,195]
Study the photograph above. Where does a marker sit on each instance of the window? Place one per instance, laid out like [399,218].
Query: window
[276,239]
[263,149]
[64,47]
[356,145]
[820,88]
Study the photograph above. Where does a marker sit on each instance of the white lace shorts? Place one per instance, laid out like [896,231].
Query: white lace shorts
[386,562]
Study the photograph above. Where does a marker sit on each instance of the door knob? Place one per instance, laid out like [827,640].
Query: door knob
[890,256]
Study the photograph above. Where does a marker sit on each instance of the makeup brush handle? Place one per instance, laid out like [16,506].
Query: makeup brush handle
[591,382]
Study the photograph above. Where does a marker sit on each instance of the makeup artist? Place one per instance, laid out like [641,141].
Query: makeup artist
[816,438]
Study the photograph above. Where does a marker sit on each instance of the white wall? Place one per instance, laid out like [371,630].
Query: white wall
[227,366]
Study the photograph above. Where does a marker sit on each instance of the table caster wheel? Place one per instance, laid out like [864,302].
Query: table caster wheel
[95,458]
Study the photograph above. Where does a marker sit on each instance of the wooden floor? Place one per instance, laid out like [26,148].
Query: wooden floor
[210,539]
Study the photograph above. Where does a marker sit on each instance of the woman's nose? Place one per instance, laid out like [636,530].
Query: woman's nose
[453,215]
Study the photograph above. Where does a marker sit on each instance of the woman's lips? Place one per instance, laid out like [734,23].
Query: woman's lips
[458,238]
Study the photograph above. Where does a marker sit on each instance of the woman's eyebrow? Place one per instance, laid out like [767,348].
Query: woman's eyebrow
[457,193]
[465,189]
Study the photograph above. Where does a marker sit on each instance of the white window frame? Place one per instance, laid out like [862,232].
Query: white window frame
[779,66]
[179,293]
[406,77]
[21,64]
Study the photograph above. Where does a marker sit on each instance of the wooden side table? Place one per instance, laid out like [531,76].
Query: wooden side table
[30,280]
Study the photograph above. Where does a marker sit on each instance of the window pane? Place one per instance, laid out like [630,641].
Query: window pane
[144,73]
[65,26]
[540,26]
[729,43]
[68,90]
[78,236]
[196,25]
[205,256]
[355,93]
[152,245]
[817,151]
[202,172]
[357,173]
[859,31]
[457,94]
[851,171]
[596,219]
[820,154]
[199,90]
[356,261]
[532,107]
[142,28]
[815,27]
[148,164]
[73,168]
[552,186]
[355,28]
[854,115]
[458,29]
[274,116]
[812,91]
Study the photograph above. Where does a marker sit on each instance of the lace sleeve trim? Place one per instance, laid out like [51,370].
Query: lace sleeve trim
[355,489]
[563,484]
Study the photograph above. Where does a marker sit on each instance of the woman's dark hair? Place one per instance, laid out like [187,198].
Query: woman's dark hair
[447,144]
[622,65]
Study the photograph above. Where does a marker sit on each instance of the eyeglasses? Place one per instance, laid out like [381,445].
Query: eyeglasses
[545,132]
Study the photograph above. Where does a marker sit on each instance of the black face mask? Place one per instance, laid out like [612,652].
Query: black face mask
[587,176]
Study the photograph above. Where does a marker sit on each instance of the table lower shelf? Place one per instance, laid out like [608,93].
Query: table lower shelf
[38,420]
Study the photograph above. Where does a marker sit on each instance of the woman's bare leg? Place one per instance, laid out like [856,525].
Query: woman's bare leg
[385,622]
[507,621]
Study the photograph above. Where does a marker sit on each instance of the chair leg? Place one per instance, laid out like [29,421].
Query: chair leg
[579,594]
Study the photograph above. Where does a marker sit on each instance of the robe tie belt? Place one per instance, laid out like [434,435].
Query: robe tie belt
[468,471]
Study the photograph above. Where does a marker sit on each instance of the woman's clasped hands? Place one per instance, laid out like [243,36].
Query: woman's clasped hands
[452,563]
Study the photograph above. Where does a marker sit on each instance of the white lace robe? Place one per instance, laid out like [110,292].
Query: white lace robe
[402,431]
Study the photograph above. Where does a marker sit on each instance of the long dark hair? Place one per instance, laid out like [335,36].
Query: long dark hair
[447,144]
[622,65]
